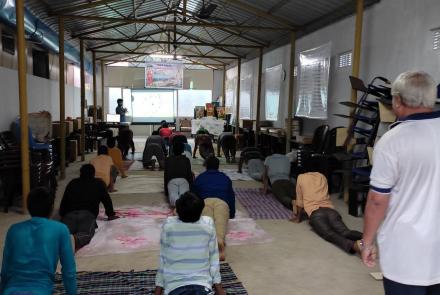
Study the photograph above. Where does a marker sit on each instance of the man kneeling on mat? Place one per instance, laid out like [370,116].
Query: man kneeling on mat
[189,259]
[80,205]
[312,197]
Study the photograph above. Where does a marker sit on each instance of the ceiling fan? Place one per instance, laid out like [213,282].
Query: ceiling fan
[206,11]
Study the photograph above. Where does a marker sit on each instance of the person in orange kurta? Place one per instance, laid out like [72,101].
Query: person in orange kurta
[116,156]
[104,168]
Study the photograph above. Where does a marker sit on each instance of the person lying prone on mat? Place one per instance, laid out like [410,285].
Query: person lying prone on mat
[183,272]
[276,176]
[116,155]
[178,176]
[204,142]
[312,197]
[215,188]
[79,207]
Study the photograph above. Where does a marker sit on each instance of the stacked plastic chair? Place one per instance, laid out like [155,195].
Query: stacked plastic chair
[10,169]
[365,121]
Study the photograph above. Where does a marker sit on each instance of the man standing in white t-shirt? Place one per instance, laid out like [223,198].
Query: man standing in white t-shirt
[403,205]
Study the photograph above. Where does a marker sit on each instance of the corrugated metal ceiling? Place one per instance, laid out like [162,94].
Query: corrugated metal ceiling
[262,13]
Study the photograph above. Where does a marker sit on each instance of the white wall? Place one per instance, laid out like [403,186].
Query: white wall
[217,84]
[43,95]
[396,37]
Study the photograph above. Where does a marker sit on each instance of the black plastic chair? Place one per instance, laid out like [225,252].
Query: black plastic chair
[315,153]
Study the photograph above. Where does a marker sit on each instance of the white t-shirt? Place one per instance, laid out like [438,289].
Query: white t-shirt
[407,167]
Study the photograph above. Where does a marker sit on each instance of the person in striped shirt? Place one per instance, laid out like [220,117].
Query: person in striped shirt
[189,259]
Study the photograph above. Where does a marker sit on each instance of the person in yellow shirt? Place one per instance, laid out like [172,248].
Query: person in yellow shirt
[312,197]
[104,168]
[116,155]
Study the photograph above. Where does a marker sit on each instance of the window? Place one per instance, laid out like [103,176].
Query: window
[436,39]
[40,63]
[8,43]
[344,59]
[295,71]
[246,87]
[188,99]
[272,82]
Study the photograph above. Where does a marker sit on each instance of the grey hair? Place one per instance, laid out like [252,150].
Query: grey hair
[415,88]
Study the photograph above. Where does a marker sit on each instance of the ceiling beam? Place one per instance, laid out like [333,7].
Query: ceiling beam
[75,8]
[118,40]
[183,55]
[157,13]
[233,32]
[218,46]
[261,13]
[190,62]
[115,41]
[170,23]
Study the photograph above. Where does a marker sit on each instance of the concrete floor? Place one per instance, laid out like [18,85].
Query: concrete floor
[296,262]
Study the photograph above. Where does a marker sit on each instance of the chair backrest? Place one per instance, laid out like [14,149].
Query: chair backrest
[320,139]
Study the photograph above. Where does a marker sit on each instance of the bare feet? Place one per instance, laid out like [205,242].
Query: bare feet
[357,247]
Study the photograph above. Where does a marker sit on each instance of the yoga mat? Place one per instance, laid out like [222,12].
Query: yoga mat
[136,283]
[138,184]
[234,175]
[261,206]
[139,229]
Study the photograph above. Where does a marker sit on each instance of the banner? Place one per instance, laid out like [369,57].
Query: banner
[164,75]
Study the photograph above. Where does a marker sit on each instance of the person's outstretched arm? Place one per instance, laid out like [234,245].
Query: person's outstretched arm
[214,262]
[107,202]
[159,275]
[231,202]
[67,260]
[298,203]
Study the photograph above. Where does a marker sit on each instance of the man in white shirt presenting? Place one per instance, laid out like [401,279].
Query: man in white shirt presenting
[403,205]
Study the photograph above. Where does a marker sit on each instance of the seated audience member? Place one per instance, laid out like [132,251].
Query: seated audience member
[228,143]
[33,248]
[248,154]
[312,197]
[125,141]
[204,142]
[215,188]
[116,155]
[80,205]
[177,175]
[277,171]
[154,146]
[183,271]
[104,168]
[165,132]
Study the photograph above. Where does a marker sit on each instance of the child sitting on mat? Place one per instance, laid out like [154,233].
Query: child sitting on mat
[189,259]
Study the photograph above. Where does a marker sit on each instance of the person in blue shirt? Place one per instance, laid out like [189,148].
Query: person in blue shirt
[215,188]
[33,248]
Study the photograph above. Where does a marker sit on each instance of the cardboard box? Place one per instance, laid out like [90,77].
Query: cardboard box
[56,130]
